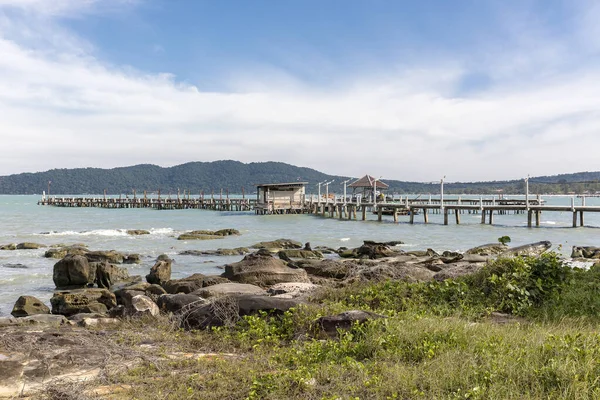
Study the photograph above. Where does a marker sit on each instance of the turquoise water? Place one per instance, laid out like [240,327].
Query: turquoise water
[22,220]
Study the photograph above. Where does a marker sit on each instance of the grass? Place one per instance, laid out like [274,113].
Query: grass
[437,342]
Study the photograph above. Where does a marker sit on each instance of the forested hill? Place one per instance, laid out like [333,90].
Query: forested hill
[234,175]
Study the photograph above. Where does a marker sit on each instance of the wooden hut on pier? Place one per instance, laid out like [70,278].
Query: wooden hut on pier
[367,187]
[281,198]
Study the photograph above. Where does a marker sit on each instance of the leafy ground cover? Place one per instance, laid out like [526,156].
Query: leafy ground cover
[439,340]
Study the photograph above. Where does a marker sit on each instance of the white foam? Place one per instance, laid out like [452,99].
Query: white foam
[106,232]
[549,222]
[344,239]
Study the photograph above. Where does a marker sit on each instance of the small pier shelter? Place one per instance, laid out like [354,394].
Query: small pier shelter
[281,198]
[367,187]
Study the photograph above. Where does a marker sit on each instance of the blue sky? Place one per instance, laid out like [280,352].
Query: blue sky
[474,90]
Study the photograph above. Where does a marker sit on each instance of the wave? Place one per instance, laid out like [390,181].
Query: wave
[106,232]
[344,239]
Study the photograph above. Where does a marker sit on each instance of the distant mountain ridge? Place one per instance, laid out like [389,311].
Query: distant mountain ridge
[234,175]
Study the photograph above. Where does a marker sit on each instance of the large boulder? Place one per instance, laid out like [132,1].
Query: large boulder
[70,302]
[108,274]
[63,251]
[10,246]
[29,305]
[192,283]
[279,244]
[30,246]
[528,250]
[73,271]
[330,268]
[111,256]
[141,306]
[262,269]
[230,288]
[228,309]
[490,249]
[126,293]
[176,302]
[208,235]
[293,290]
[160,273]
[585,252]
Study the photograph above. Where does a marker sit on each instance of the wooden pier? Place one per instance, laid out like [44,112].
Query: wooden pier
[345,208]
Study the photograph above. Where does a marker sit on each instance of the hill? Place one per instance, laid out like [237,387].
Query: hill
[234,175]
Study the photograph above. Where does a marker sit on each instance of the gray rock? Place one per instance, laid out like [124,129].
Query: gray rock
[175,302]
[70,302]
[108,274]
[296,253]
[141,306]
[192,283]
[10,246]
[590,252]
[137,232]
[262,269]
[29,305]
[279,244]
[30,246]
[160,273]
[528,250]
[331,324]
[226,310]
[293,290]
[110,256]
[489,249]
[227,289]
[73,271]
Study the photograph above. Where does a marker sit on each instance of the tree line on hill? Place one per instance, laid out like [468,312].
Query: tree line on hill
[234,176]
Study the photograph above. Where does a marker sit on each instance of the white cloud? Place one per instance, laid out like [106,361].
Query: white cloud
[60,106]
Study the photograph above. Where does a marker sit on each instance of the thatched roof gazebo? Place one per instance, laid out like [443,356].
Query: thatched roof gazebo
[366,184]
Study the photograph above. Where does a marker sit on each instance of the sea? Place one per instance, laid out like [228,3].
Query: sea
[28,272]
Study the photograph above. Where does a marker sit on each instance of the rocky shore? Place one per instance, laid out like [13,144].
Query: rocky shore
[71,337]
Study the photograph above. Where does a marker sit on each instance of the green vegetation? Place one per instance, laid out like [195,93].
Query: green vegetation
[504,239]
[234,175]
[439,340]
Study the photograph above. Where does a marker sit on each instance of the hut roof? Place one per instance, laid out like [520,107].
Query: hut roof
[367,182]
[282,184]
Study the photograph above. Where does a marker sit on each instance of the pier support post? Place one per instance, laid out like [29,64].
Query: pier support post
[379,213]
[426,215]
[574,219]
[491,217]
[457,214]
[412,215]
[529,218]
[395,215]
[483,216]
[445,216]
[538,215]
[364,213]
[580,218]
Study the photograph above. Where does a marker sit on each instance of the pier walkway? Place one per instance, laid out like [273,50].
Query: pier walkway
[348,208]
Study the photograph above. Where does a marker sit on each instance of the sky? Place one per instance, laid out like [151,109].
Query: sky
[410,90]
